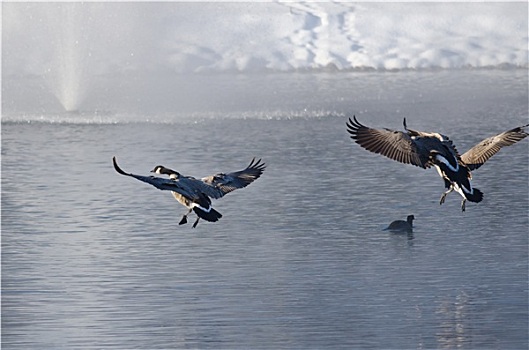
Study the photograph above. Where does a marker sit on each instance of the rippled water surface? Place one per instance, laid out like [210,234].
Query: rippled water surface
[92,259]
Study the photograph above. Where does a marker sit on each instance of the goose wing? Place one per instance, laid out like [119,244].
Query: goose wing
[393,144]
[159,183]
[220,184]
[480,153]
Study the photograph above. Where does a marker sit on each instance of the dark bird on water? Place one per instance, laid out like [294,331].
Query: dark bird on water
[426,149]
[196,194]
[401,225]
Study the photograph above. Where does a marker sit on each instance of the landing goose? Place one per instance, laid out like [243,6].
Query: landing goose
[401,225]
[196,194]
[426,149]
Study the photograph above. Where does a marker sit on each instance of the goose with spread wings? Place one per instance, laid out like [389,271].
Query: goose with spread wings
[196,194]
[427,149]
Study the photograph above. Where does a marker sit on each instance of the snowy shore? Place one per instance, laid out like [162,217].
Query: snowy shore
[273,36]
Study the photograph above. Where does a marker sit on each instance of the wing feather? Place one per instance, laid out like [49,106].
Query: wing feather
[393,144]
[220,184]
[159,183]
[480,153]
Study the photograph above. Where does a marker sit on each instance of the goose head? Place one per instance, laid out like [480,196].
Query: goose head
[161,170]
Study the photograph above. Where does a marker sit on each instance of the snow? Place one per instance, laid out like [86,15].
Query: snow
[264,36]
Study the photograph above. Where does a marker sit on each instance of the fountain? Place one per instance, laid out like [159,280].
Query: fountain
[68,74]
[70,46]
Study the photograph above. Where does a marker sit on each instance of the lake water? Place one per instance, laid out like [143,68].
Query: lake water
[92,259]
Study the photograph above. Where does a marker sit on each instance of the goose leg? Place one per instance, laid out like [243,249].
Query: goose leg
[196,222]
[184,218]
[463,204]
[444,195]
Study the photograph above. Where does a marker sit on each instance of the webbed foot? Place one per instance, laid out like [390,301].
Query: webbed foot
[183,221]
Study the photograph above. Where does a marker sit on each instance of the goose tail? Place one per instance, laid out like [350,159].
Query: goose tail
[475,195]
[209,215]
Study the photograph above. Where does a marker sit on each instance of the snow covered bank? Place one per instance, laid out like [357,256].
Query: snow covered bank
[248,37]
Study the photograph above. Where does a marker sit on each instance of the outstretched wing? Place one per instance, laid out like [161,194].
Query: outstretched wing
[220,184]
[395,145]
[480,153]
[158,182]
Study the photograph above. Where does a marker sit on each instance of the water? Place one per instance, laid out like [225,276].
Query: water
[92,259]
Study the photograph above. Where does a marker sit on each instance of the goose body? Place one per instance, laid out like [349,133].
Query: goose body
[427,149]
[401,225]
[196,194]
[193,198]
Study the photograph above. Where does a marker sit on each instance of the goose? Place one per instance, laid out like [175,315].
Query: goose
[196,194]
[401,225]
[427,149]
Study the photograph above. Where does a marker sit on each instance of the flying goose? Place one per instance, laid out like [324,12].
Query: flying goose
[196,194]
[401,225]
[426,149]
